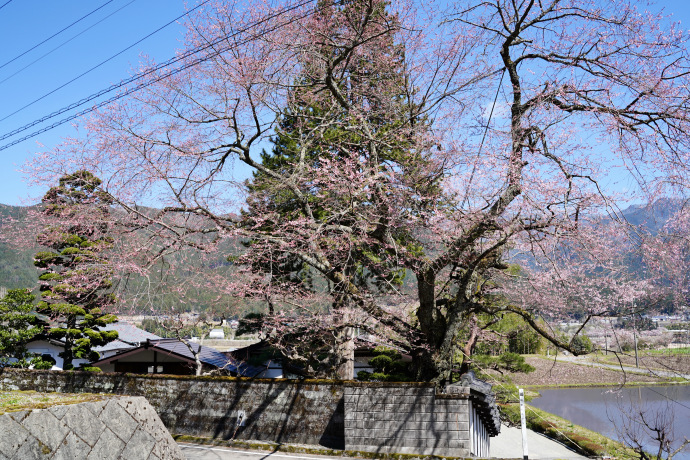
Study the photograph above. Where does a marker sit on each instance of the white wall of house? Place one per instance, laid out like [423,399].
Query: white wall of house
[43,347]
[216,334]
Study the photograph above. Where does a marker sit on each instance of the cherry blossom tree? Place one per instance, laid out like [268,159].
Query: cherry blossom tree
[428,150]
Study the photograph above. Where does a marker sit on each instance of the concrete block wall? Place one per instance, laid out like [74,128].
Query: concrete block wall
[124,428]
[406,418]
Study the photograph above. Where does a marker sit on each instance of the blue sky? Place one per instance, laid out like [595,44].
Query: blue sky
[111,29]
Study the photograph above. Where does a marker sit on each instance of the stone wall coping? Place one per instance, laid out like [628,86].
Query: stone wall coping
[352,383]
[452,396]
[65,399]
[180,377]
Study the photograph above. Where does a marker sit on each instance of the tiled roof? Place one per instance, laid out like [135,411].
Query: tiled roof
[209,356]
[127,332]
[129,336]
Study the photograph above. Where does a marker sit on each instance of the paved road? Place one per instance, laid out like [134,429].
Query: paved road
[632,370]
[508,444]
[197,452]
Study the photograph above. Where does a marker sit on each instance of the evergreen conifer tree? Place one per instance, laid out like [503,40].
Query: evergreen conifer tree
[315,130]
[76,276]
[18,326]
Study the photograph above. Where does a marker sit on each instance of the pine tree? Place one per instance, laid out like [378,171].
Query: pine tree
[76,276]
[18,326]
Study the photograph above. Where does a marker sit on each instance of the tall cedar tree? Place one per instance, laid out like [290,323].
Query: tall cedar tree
[75,275]
[314,133]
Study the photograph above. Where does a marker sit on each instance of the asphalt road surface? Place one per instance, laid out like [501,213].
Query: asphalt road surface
[197,452]
[508,444]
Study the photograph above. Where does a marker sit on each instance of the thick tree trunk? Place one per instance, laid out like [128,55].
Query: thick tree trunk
[68,354]
[432,326]
[423,365]
[346,354]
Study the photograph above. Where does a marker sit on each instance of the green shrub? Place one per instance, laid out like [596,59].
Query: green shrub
[364,376]
[388,367]
[511,362]
[581,344]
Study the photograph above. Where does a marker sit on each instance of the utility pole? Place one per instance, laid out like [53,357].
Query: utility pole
[524,425]
[637,362]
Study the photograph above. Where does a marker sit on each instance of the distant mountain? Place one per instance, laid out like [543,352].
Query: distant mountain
[17,269]
[652,217]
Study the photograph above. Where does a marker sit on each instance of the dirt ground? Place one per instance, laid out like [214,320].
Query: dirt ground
[550,372]
[672,363]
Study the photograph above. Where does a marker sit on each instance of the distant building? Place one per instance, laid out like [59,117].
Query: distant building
[129,337]
[216,334]
[172,356]
[49,350]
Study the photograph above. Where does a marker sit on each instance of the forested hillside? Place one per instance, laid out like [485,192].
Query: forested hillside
[16,265]
[158,293]
[17,269]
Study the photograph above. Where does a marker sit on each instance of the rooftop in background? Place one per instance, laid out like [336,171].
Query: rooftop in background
[129,336]
[175,348]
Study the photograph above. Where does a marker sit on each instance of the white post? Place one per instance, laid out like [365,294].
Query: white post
[524,424]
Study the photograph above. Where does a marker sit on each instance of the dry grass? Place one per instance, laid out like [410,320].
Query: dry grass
[12,401]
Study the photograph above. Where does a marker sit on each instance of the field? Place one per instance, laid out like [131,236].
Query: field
[674,360]
[551,372]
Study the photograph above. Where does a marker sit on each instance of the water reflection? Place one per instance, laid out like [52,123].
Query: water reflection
[603,410]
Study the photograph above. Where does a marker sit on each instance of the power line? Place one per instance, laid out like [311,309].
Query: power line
[102,62]
[5,4]
[54,35]
[147,83]
[479,152]
[67,41]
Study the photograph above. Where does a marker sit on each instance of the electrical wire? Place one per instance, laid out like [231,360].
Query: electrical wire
[5,4]
[54,35]
[479,152]
[67,41]
[103,62]
[142,75]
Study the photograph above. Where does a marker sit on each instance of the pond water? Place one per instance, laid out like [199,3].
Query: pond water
[611,412]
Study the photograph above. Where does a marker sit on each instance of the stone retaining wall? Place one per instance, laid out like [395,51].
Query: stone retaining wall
[126,428]
[276,410]
[384,417]
[411,419]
